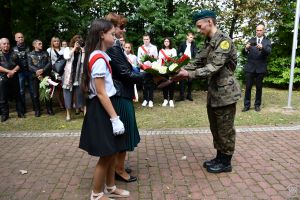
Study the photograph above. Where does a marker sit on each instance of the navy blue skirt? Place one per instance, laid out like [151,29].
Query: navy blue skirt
[97,134]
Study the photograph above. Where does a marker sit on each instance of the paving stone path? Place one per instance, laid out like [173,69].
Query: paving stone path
[168,164]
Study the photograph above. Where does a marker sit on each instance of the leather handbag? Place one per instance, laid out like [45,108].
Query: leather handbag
[60,63]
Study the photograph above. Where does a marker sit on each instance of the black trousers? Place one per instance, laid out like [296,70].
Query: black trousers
[250,79]
[168,91]
[182,87]
[36,97]
[10,90]
[148,88]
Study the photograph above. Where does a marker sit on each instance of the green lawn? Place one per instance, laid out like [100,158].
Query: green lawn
[185,114]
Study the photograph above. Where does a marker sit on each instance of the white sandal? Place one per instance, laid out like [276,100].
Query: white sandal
[97,196]
[112,193]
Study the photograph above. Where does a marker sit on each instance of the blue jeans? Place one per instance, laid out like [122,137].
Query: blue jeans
[23,77]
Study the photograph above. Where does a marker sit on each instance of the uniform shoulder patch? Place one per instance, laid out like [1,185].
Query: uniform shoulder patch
[225,45]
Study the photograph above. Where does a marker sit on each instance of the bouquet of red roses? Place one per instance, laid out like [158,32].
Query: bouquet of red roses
[164,68]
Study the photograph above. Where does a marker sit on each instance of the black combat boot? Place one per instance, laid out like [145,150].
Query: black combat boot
[223,166]
[37,107]
[189,97]
[4,111]
[214,161]
[49,107]
[4,118]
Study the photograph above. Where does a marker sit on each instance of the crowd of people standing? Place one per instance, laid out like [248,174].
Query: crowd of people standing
[100,78]
[30,66]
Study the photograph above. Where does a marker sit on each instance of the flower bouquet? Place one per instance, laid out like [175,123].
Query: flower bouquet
[47,88]
[165,68]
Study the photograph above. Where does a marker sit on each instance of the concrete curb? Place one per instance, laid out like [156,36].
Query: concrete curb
[192,131]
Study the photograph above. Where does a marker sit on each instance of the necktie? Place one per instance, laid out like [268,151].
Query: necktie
[258,41]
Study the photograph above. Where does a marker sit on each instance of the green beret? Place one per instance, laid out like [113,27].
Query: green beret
[202,14]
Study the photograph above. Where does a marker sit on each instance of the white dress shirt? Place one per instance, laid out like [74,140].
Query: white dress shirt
[188,49]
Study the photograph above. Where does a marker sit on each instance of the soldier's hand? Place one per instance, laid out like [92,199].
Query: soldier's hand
[248,45]
[183,74]
[164,84]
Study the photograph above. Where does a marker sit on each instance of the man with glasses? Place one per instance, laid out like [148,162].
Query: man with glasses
[40,64]
[25,75]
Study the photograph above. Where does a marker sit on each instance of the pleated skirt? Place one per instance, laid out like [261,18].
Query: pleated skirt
[125,109]
[97,134]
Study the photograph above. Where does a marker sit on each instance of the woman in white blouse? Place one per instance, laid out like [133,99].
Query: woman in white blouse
[165,54]
[54,51]
[133,61]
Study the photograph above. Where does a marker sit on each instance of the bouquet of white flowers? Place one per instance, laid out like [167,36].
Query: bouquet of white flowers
[47,88]
[165,68]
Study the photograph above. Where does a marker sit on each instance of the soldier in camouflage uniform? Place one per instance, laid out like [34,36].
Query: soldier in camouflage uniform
[216,62]
[9,82]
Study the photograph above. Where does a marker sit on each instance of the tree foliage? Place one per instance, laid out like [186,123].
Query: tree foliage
[166,18]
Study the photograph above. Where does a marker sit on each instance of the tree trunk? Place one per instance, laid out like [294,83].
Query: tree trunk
[233,20]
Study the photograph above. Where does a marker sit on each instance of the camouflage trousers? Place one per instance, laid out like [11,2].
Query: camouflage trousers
[221,120]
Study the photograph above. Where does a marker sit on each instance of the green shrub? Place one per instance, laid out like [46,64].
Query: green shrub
[279,72]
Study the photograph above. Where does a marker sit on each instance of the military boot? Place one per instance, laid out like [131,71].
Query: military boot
[49,107]
[37,107]
[4,112]
[223,166]
[214,161]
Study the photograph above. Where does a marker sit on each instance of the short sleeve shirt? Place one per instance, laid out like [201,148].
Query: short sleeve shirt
[101,70]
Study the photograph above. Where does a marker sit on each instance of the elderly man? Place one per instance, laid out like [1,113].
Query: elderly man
[216,62]
[9,82]
[257,50]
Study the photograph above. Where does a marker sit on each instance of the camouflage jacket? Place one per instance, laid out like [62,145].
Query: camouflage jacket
[216,62]
[39,60]
[8,63]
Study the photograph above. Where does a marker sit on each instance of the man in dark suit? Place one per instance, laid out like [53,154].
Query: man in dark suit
[189,48]
[257,49]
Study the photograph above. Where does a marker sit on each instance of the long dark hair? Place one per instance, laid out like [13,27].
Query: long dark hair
[93,42]
[170,45]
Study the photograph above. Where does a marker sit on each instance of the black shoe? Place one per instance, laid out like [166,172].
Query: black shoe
[257,108]
[120,178]
[180,99]
[50,112]
[245,109]
[210,163]
[4,118]
[21,115]
[37,113]
[219,167]
[190,98]
[214,161]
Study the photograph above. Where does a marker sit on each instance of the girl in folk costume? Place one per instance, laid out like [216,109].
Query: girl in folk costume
[165,54]
[148,86]
[133,61]
[71,79]
[102,133]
